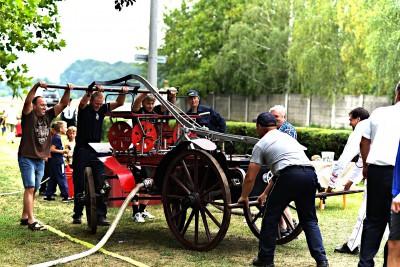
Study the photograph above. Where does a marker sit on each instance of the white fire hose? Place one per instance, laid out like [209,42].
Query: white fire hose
[17,192]
[104,239]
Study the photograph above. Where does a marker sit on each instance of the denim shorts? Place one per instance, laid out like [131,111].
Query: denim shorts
[32,171]
[395,226]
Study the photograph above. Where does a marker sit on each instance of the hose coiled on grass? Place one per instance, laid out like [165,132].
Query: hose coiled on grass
[17,192]
[103,240]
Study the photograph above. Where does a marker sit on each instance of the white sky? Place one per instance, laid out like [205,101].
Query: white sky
[93,29]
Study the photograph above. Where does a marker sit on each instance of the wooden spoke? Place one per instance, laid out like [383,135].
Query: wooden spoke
[185,199]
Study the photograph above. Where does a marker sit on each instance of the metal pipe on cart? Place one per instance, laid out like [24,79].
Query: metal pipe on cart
[105,237]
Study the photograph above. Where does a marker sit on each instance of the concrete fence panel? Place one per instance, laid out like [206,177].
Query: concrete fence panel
[301,111]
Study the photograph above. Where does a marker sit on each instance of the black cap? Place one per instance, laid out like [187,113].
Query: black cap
[266,119]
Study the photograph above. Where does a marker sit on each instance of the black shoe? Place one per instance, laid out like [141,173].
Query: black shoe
[323,264]
[103,222]
[24,222]
[42,193]
[345,249]
[47,198]
[77,220]
[35,226]
[67,199]
[258,262]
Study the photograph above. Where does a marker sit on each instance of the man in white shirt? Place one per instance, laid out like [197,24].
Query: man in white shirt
[378,148]
[69,115]
[358,121]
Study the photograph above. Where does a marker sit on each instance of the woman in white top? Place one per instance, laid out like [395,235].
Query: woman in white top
[11,119]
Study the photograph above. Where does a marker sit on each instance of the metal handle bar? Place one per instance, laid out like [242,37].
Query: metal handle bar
[191,126]
[112,89]
[241,205]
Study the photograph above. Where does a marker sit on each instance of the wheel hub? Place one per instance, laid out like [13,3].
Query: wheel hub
[191,201]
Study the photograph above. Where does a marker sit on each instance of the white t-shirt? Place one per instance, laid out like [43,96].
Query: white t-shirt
[351,150]
[69,112]
[11,115]
[277,151]
[383,130]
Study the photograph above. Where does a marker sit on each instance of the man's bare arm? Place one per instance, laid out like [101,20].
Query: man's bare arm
[120,99]
[64,100]
[365,145]
[31,95]
[248,182]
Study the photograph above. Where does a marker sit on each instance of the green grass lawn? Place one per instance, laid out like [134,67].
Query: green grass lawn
[150,243]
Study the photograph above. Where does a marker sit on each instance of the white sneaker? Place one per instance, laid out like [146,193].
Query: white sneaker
[147,215]
[138,218]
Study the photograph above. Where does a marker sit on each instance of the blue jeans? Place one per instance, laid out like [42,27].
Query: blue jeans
[57,177]
[32,171]
[298,184]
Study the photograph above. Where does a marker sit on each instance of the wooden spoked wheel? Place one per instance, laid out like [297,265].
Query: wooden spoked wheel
[147,140]
[120,135]
[194,183]
[90,194]
[254,216]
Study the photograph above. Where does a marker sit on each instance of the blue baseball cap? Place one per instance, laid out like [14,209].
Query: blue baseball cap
[266,119]
[192,93]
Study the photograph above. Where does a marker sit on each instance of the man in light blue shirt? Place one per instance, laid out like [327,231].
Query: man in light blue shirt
[284,126]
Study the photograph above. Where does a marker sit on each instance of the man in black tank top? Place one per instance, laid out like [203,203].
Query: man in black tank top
[91,113]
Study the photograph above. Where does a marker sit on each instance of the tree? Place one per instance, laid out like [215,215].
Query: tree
[119,4]
[194,37]
[253,58]
[382,45]
[353,19]
[313,47]
[315,51]
[25,26]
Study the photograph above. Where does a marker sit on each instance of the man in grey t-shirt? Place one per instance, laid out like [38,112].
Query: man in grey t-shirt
[294,180]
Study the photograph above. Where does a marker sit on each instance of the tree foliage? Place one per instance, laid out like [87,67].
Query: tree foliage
[311,47]
[196,33]
[119,4]
[253,57]
[25,26]
[252,47]
[383,43]
[315,50]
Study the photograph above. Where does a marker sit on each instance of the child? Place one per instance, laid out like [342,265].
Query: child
[69,144]
[57,165]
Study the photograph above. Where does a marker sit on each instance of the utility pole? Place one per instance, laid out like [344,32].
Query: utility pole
[152,58]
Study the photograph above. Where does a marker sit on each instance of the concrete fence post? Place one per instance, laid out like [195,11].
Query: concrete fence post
[229,106]
[308,114]
[246,109]
[333,113]
[361,100]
